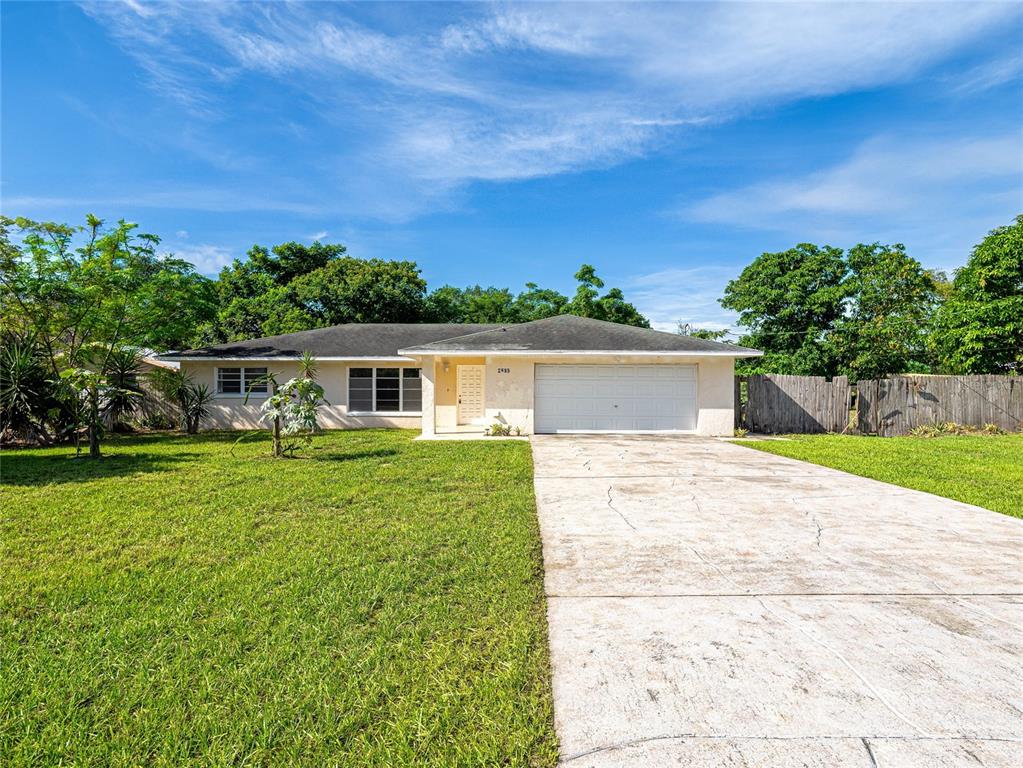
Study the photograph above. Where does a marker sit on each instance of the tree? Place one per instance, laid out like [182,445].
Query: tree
[536,303]
[892,300]
[979,328]
[790,301]
[685,329]
[84,305]
[291,408]
[295,287]
[122,369]
[475,304]
[350,290]
[612,306]
[114,289]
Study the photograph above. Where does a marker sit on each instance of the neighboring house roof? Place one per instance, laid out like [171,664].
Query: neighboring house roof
[569,334]
[153,361]
[566,334]
[352,340]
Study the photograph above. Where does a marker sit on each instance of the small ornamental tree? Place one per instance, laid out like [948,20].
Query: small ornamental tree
[291,408]
[89,393]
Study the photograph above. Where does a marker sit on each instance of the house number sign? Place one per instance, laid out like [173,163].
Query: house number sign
[504,370]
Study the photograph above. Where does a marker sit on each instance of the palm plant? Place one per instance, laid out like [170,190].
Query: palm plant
[197,402]
[193,400]
[26,393]
[122,365]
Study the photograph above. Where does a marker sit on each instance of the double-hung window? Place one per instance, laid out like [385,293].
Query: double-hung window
[241,381]
[385,390]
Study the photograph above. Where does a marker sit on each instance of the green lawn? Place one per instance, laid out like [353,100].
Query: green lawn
[377,602]
[982,470]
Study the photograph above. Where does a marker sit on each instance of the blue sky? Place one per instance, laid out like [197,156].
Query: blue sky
[668,145]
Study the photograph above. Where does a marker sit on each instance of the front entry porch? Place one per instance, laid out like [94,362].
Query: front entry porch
[464,395]
[454,393]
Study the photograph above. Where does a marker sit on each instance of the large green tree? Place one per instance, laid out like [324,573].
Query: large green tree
[112,288]
[885,328]
[295,287]
[536,303]
[979,328]
[790,301]
[84,300]
[255,296]
[612,306]
[350,290]
[475,304]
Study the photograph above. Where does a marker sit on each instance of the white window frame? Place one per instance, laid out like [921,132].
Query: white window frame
[245,381]
[373,389]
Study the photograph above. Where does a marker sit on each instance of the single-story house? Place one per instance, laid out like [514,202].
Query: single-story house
[559,374]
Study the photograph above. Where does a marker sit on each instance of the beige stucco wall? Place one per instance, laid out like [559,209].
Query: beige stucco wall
[508,387]
[507,396]
[445,388]
[231,411]
[715,390]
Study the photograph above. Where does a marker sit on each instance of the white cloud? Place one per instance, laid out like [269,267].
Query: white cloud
[884,177]
[168,196]
[321,235]
[512,92]
[989,74]
[207,259]
[670,296]
[938,196]
[181,234]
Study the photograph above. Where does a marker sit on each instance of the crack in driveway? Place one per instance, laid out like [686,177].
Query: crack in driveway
[897,635]
[616,510]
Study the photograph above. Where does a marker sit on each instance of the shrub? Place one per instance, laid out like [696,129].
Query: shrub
[951,428]
[155,421]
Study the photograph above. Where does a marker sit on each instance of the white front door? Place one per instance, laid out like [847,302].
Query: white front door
[615,398]
[470,393]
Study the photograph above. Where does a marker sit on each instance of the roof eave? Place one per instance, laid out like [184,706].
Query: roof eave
[283,358]
[421,352]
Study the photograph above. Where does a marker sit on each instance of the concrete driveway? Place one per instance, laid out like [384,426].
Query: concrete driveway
[714,605]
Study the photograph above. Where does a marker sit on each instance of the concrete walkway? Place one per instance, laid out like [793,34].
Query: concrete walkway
[713,605]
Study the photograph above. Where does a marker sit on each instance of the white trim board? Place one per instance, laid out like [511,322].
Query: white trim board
[567,352]
[282,359]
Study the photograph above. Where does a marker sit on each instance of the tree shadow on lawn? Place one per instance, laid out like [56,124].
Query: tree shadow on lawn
[18,468]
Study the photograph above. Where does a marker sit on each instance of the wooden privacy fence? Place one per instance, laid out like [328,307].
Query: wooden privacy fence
[894,406]
[784,404]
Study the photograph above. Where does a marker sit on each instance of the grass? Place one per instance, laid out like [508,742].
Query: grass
[378,602]
[982,470]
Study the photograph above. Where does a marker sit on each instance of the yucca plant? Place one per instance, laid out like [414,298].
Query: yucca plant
[197,406]
[193,400]
[122,368]
[26,393]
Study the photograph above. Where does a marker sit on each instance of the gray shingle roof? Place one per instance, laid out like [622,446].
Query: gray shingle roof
[350,340]
[567,333]
[564,333]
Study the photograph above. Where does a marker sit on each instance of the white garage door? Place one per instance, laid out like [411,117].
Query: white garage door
[614,398]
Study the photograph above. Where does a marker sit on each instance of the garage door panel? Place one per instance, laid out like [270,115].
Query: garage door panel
[612,398]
